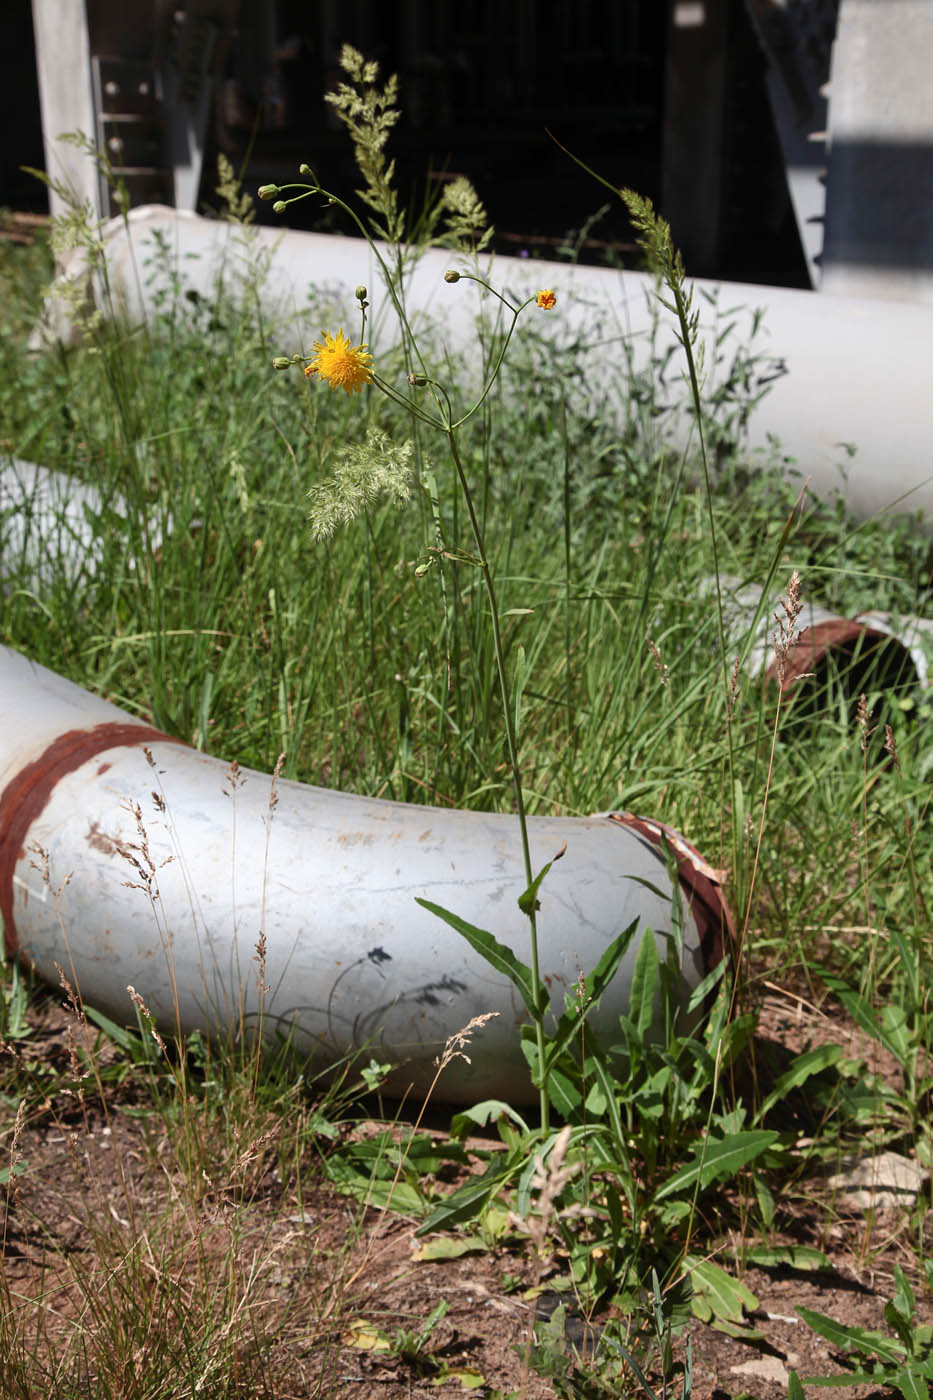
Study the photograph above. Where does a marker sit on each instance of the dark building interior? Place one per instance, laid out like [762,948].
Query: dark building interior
[486,89]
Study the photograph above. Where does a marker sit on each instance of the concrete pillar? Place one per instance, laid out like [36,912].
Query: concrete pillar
[879,195]
[63,64]
[694,104]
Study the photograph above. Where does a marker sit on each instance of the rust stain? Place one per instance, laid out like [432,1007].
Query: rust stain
[103,769]
[354,838]
[699,880]
[24,798]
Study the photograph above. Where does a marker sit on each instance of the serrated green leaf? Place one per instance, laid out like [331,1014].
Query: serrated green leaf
[856,1339]
[909,1382]
[721,1158]
[903,1301]
[802,1068]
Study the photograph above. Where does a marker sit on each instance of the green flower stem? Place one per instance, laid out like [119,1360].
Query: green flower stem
[449,428]
[493,374]
[512,741]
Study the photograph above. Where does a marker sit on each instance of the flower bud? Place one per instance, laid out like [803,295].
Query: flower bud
[304,169]
[279,206]
[281,362]
[451,275]
[268,191]
[360,293]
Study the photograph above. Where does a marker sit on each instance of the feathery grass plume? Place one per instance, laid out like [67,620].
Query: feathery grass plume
[785,634]
[653,236]
[657,662]
[236,206]
[467,226]
[365,471]
[369,114]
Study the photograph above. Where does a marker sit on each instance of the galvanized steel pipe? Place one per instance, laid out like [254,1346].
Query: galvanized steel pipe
[129,859]
[843,386]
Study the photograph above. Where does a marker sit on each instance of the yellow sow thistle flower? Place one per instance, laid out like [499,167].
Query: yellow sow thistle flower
[340,364]
[547,300]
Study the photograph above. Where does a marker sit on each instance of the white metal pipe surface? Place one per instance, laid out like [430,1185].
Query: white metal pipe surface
[129,859]
[843,384]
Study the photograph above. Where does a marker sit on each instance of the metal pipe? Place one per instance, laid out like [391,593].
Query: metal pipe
[50,530]
[836,389]
[129,859]
[872,650]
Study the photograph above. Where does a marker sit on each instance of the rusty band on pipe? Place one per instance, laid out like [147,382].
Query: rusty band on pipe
[24,798]
[816,643]
[699,881]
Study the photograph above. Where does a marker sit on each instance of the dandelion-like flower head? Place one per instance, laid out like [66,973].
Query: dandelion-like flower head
[340,364]
[547,300]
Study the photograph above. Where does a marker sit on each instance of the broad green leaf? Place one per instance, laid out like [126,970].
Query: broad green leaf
[718,1158]
[467,1202]
[802,1068]
[728,1297]
[802,1257]
[894,1024]
[382,1195]
[706,987]
[563,1094]
[489,1111]
[16,1170]
[528,899]
[862,1012]
[496,954]
[518,686]
[901,1327]
[127,1040]
[911,1385]
[645,982]
[853,1338]
[450,1247]
[794,1388]
[903,1300]
[366,1336]
[746,1333]
[466,1376]
[765,1199]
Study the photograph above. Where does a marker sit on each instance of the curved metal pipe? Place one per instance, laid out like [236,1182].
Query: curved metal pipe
[129,859]
[872,650]
[842,385]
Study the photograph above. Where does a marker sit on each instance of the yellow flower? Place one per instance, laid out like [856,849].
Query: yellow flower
[340,364]
[547,300]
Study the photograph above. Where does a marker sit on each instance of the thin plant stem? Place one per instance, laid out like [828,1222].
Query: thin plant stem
[512,742]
